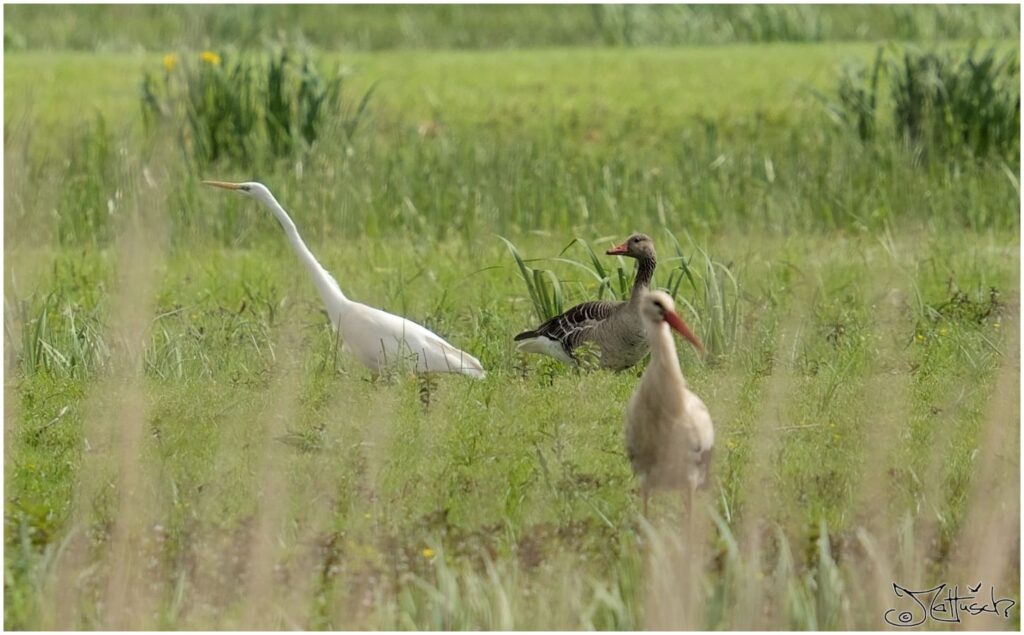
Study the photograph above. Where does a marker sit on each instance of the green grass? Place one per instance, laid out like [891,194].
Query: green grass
[526,467]
[585,90]
[486,89]
[844,286]
[97,28]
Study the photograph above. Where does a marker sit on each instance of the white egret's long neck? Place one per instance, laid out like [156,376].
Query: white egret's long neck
[327,286]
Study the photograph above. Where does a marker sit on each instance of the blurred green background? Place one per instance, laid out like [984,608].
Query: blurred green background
[155,28]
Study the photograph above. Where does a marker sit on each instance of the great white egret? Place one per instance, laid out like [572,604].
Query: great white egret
[378,339]
[669,434]
[615,327]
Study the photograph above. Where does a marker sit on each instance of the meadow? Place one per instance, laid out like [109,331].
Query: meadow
[102,28]
[186,447]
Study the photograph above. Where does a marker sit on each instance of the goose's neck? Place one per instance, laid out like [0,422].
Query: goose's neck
[326,285]
[644,274]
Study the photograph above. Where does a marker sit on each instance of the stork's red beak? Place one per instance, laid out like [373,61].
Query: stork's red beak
[620,250]
[677,323]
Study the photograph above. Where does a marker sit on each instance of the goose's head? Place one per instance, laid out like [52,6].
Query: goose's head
[657,307]
[639,246]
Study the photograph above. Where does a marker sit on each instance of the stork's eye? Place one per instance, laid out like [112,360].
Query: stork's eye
[657,303]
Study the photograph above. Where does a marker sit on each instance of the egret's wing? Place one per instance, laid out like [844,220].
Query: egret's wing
[438,355]
[389,333]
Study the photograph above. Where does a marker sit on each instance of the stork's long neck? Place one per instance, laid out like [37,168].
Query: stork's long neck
[328,287]
[663,354]
[644,274]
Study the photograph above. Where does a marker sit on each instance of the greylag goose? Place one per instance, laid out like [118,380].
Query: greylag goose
[669,434]
[378,339]
[615,327]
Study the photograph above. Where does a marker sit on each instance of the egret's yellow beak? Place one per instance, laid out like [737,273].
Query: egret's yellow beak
[224,185]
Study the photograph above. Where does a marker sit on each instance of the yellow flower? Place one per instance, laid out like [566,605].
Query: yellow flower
[210,57]
[920,338]
[428,552]
[170,62]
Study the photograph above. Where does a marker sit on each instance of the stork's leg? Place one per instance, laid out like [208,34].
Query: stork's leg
[645,494]
[688,512]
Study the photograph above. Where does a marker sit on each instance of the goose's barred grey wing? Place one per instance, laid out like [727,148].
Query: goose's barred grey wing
[570,328]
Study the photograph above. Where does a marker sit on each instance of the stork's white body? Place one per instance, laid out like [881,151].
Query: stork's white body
[378,339]
[669,433]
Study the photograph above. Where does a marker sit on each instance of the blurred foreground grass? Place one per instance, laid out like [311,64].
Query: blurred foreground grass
[864,397]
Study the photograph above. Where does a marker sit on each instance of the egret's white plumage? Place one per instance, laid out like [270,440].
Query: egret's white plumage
[376,338]
[669,434]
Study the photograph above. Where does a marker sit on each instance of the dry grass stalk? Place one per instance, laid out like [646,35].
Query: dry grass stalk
[116,417]
[753,527]
[262,610]
[988,547]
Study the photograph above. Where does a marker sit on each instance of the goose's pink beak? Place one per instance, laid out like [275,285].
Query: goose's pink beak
[620,250]
[677,323]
